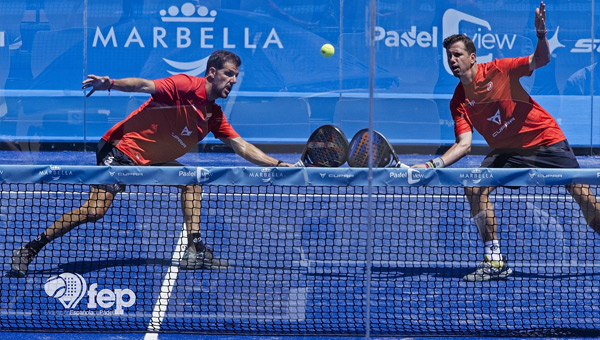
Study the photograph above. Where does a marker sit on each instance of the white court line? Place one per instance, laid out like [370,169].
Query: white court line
[318,264]
[162,303]
[349,196]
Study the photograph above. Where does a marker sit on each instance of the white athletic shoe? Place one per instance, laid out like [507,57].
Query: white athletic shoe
[489,270]
[204,259]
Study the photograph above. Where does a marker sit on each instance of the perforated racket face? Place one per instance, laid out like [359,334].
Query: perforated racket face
[326,147]
[382,153]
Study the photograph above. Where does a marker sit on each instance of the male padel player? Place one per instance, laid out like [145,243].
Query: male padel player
[490,99]
[179,114]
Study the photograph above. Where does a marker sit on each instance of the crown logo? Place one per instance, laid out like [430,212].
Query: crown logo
[187,13]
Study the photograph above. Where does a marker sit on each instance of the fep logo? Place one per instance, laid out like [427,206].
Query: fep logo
[70,288]
[67,288]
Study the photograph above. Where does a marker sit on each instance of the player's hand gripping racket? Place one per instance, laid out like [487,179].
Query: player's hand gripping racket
[326,147]
[383,154]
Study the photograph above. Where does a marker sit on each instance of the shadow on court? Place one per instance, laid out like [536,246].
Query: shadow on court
[83,267]
[458,273]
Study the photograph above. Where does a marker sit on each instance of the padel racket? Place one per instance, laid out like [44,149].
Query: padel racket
[326,147]
[382,153]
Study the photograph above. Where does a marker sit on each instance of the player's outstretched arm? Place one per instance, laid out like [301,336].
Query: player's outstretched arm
[251,153]
[124,84]
[541,55]
[461,148]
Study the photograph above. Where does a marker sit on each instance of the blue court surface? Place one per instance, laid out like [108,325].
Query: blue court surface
[296,269]
[124,336]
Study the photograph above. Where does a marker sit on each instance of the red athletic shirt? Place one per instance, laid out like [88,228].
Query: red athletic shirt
[498,107]
[170,123]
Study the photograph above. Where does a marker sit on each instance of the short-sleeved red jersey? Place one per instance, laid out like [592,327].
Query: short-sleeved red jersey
[170,123]
[498,107]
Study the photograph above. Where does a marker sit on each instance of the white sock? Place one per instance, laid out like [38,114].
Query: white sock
[492,250]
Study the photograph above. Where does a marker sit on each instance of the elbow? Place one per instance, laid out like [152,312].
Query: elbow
[146,86]
[239,147]
[548,58]
[543,61]
[465,148]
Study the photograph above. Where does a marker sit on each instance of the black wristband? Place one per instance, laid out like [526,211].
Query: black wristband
[279,163]
[541,35]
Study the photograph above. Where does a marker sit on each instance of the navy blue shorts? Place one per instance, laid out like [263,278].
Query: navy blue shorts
[558,155]
[107,154]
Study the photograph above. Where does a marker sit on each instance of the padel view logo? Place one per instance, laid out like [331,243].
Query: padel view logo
[188,26]
[454,22]
[70,288]
[202,174]
[414,176]
[411,38]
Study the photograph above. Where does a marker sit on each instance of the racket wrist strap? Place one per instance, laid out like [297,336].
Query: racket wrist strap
[437,162]
[112,83]
[542,34]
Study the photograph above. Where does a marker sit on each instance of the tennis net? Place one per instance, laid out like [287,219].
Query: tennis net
[310,251]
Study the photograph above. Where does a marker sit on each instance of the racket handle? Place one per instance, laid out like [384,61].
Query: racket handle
[299,164]
[402,165]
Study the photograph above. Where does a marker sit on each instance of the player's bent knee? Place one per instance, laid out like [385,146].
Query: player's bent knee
[473,193]
[191,189]
[94,214]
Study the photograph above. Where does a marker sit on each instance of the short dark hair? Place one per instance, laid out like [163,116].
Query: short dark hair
[460,37]
[218,59]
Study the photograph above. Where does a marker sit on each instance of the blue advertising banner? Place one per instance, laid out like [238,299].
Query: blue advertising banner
[261,176]
[286,88]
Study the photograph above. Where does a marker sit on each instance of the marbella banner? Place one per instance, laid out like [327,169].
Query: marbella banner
[286,88]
